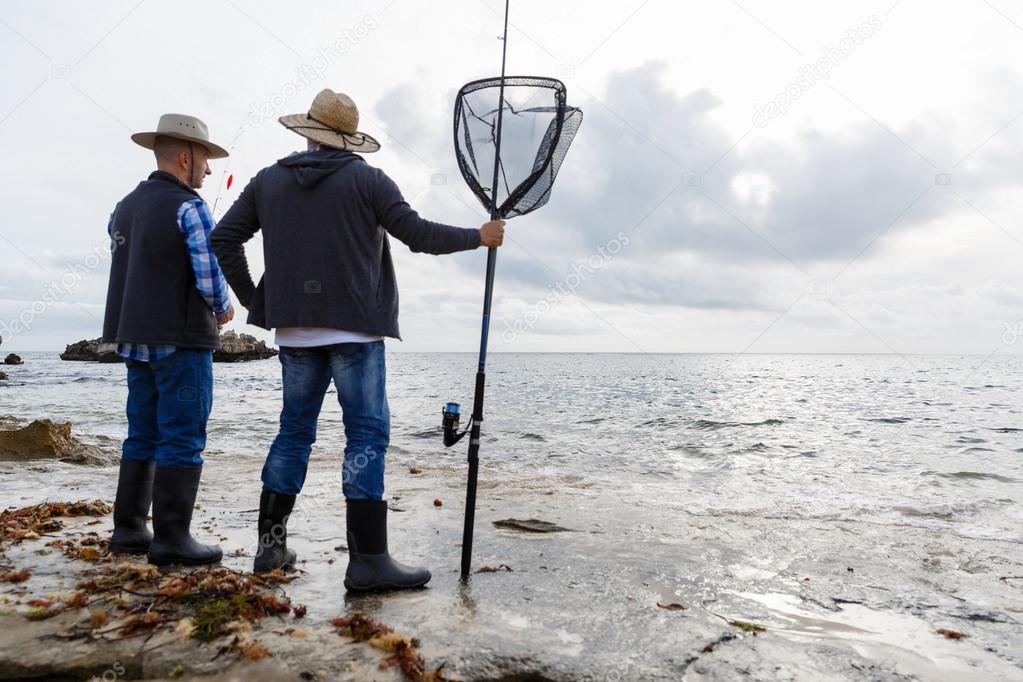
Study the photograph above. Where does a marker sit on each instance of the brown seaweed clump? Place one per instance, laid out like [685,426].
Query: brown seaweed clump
[205,604]
[31,523]
[403,651]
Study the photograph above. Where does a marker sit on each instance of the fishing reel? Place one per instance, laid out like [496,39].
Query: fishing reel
[450,414]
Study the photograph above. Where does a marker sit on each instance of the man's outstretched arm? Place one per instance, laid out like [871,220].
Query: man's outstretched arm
[425,236]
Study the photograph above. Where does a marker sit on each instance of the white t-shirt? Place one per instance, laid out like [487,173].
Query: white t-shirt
[307,337]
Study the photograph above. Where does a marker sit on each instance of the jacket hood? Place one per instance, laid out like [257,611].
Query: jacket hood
[311,167]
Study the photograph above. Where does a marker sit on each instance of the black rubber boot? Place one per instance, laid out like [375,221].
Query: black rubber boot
[370,567]
[273,552]
[174,492]
[134,495]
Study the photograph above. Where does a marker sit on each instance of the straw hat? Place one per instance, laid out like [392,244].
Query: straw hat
[181,127]
[333,120]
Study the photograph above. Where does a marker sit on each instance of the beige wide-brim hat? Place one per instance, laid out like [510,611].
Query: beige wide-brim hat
[333,120]
[181,127]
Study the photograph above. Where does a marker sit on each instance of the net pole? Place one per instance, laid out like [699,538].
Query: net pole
[481,371]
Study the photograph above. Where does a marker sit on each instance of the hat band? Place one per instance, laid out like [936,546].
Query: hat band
[336,131]
[355,139]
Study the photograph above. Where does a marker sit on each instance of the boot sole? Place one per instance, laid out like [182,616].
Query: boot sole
[124,549]
[264,569]
[257,569]
[282,566]
[382,587]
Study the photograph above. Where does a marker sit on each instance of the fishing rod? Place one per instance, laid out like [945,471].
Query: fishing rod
[481,371]
[227,165]
[479,126]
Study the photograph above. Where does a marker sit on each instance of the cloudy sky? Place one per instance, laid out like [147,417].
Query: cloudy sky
[749,177]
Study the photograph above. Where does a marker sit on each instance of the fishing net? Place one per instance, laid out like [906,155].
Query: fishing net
[536,129]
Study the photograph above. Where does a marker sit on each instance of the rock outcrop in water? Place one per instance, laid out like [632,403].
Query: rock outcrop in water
[13,359]
[44,439]
[3,376]
[235,347]
[91,351]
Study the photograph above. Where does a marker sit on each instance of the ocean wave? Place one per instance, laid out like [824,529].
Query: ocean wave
[945,512]
[711,425]
[662,421]
[525,435]
[695,450]
[969,475]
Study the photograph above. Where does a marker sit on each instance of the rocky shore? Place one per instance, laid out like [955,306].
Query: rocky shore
[646,593]
[234,347]
[91,351]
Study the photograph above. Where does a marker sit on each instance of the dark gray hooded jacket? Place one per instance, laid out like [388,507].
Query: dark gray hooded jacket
[325,216]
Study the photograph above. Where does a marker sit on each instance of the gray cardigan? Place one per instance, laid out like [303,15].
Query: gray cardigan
[325,216]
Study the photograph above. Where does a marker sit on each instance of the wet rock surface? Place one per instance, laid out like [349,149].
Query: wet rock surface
[297,653]
[13,359]
[44,439]
[780,598]
[166,655]
[236,347]
[91,351]
[3,376]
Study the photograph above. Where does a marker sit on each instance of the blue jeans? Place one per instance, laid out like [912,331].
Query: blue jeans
[360,375]
[169,402]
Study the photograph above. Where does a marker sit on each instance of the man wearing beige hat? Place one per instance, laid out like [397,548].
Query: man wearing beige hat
[165,300]
[329,290]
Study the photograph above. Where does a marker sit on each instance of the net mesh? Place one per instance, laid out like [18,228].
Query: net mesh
[537,128]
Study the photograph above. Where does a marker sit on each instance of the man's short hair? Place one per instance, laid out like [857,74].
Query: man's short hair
[167,148]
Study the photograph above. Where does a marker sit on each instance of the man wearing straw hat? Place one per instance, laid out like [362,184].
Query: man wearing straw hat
[329,290]
[165,300]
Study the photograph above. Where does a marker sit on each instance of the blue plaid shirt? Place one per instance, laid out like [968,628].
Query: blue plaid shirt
[195,222]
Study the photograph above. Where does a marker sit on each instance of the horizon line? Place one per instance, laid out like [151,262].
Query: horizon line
[613,352]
